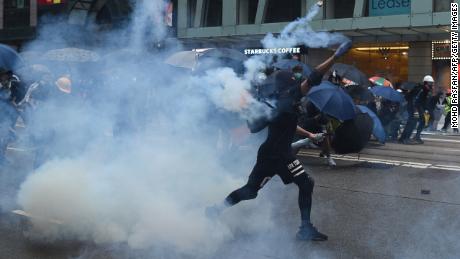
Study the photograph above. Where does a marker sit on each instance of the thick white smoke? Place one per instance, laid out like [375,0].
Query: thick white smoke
[137,160]
[300,32]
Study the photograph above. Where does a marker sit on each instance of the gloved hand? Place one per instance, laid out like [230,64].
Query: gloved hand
[317,137]
[343,48]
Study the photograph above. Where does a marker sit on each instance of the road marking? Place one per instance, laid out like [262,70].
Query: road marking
[442,140]
[386,161]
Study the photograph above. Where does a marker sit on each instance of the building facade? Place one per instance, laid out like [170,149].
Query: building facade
[399,39]
[20,18]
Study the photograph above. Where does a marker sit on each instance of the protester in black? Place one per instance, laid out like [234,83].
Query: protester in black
[275,155]
[411,121]
[422,106]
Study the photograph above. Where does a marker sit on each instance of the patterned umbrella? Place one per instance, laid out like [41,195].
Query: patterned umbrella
[376,80]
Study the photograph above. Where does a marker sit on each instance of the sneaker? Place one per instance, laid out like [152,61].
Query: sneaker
[331,162]
[309,232]
[418,140]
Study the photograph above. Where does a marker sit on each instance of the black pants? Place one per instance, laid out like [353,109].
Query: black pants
[289,171]
[410,126]
[421,122]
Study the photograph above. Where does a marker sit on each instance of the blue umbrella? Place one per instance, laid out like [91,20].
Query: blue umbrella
[9,58]
[387,93]
[332,100]
[288,64]
[378,130]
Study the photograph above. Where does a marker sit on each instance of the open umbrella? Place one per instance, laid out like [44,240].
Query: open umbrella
[185,59]
[332,100]
[9,58]
[352,135]
[359,92]
[387,93]
[351,75]
[71,55]
[408,85]
[380,81]
[378,131]
[223,53]
[288,64]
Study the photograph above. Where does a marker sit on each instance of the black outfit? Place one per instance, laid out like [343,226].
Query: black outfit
[421,104]
[411,122]
[275,156]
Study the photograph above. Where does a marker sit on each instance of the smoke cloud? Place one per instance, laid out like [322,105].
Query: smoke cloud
[300,32]
[139,148]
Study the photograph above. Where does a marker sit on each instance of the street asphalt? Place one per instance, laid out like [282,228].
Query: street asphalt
[390,201]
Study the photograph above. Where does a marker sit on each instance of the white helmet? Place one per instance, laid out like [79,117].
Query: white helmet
[428,79]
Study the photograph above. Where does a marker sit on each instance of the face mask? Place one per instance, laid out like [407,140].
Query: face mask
[298,76]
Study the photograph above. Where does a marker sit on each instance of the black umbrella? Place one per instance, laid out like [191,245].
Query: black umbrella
[9,58]
[388,93]
[267,88]
[289,64]
[221,57]
[360,93]
[351,73]
[224,53]
[352,135]
[408,85]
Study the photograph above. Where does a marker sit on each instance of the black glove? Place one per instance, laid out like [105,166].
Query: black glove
[343,48]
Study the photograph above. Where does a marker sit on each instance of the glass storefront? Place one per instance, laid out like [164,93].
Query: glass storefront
[385,60]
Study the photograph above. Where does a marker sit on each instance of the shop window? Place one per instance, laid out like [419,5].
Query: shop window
[247,10]
[8,4]
[386,60]
[213,13]
[442,5]
[343,8]
[282,10]
[115,12]
[16,13]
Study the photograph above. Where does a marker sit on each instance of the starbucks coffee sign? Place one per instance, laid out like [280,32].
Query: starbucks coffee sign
[388,7]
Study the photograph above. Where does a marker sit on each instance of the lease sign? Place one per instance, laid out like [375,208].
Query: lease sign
[388,7]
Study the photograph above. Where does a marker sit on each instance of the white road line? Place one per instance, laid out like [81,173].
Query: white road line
[442,140]
[387,161]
